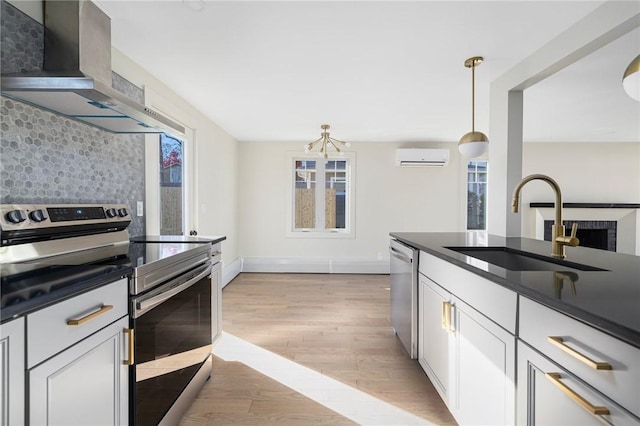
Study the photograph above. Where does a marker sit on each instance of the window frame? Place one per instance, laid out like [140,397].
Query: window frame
[481,159]
[349,230]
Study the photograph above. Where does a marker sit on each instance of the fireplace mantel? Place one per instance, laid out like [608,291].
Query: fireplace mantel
[626,216]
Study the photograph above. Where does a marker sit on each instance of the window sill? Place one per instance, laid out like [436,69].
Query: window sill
[320,234]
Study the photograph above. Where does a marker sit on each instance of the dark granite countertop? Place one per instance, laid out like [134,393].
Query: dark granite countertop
[28,287]
[608,300]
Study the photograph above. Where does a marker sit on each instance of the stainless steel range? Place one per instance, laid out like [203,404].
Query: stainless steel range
[49,252]
[172,303]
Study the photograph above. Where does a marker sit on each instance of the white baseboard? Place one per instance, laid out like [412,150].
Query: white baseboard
[229,272]
[318,266]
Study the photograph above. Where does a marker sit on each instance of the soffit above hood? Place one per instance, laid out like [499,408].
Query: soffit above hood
[76,80]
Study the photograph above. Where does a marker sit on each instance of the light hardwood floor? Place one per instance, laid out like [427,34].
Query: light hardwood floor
[337,325]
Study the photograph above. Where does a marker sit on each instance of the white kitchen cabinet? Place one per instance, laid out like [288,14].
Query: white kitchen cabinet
[550,395]
[48,331]
[607,364]
[87,384]
[433,339]
[469,357]
[494,301]
[78,351]
[12,373]
[482,389]
[584,361]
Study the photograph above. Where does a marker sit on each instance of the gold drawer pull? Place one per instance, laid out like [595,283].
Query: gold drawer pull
[555,379]
[446,317]
[130,361]
[79,321]
[557,341]
[443,317]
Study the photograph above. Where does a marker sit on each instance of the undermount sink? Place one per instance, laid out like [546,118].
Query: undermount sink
[516,260]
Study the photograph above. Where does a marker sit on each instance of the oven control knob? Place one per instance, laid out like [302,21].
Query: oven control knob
[111,213]
[16,216]
[122,212]
[38,215]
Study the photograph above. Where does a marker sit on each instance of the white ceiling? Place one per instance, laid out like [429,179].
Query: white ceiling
[375,71]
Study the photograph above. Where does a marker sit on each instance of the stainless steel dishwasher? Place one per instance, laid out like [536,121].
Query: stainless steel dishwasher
[404,295]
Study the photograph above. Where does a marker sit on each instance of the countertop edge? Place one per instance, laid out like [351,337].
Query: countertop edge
[9,314]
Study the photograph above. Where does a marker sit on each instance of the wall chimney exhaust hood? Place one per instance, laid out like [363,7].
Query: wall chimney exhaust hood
[76,80]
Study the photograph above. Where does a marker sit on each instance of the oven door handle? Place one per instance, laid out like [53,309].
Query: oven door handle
[145,305]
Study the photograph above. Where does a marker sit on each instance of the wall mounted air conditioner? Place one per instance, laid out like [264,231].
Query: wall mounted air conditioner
[422,157]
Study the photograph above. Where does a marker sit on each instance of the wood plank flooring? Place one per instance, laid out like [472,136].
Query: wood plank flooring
[337,325]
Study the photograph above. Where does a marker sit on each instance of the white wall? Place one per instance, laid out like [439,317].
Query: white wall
[215,204]
[388,199]
[605,24]
[586,173]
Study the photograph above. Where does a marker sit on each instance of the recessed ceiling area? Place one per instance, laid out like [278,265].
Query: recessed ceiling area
[376,71]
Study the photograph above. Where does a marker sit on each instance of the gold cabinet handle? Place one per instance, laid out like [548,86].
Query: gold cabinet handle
[129,332]
[559,342]
[443,317]
[446,317]
[555,379]
[79,321]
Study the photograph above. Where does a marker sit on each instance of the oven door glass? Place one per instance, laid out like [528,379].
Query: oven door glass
[172,340]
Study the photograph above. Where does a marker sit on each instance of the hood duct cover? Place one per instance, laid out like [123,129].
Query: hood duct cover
[76,80]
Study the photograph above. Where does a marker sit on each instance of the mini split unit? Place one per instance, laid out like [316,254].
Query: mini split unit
[422,157]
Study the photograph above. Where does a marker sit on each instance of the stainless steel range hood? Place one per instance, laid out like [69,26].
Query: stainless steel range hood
[76,80]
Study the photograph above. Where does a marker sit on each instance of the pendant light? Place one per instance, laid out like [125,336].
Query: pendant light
[473,144]
[325,142]
[631,79]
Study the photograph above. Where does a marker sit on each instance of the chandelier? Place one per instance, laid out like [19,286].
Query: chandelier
[325,141]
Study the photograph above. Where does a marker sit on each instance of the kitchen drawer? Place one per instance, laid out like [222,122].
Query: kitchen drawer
[621,383]
[48,332]
[548,395]
[492,300]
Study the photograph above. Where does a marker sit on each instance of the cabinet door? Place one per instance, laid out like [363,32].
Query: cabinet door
[483,388]
[12,373]
[553,399]
[87,384]
[433,337]
[216,303]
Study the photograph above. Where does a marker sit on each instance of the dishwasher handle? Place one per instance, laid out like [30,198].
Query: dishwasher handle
[395,253]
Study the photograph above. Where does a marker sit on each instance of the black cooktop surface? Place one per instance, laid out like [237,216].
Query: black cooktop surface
[142,253]
[25,287]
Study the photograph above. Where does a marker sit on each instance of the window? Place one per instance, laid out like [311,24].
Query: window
[477,195]
[321,196]
[171,190]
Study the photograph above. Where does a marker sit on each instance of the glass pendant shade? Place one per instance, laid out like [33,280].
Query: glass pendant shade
[473,144]
[631,79]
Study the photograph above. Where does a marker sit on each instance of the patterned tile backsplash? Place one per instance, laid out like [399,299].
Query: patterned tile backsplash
[48,158]
[22,43]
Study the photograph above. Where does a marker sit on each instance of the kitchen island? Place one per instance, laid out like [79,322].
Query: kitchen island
[608,300]
[536,341]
